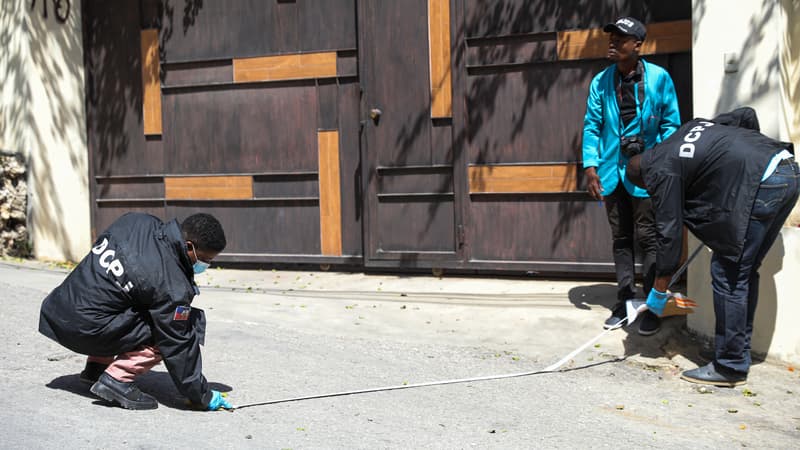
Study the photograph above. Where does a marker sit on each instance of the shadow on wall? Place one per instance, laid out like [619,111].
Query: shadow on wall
[762,82]
[790,77]
[790,67]
[785,63]
[56,121]
[41,111]
[16,112]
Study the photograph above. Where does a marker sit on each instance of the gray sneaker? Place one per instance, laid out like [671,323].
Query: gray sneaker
[618,313]
[126,395]
[710,374]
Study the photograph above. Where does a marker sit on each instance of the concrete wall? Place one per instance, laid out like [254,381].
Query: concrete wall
[42,114]
[763,36]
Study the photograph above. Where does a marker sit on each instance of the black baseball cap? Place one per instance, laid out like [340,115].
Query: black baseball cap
[628,26]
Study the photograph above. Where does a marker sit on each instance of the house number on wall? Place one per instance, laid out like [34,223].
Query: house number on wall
[60,7]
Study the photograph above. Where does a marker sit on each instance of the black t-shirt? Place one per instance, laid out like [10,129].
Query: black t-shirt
[626,94]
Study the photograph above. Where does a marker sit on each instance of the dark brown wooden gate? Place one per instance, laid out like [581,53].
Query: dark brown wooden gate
[402,134]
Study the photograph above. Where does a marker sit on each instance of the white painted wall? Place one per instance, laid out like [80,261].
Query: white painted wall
[765,35]
[42,113]
[790,80]
[749,29]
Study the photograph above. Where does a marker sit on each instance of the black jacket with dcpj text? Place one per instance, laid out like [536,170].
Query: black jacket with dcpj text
[134,288]
[705,175]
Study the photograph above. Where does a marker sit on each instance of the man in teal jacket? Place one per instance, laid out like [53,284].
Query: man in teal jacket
[631,107]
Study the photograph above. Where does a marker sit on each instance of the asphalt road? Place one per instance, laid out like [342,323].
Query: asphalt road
[268,341]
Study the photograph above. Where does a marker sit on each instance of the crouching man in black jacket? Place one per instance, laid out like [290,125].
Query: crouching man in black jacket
[733,188]
[128,306]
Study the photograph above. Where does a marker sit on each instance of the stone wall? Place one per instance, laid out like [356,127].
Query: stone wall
[13,206]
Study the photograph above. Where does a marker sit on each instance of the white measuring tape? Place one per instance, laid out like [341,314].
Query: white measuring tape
[633,309]
[551,368]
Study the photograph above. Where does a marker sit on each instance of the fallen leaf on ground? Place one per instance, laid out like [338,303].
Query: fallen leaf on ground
[748,393]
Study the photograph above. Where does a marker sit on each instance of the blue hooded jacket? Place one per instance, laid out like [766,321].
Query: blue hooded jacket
[601,125]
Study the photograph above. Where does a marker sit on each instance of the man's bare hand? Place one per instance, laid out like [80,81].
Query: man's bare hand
[593,183]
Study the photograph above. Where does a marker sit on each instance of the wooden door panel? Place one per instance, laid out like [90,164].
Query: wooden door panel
[415,226]
[409,198]
[243,28]
[115,92]
[265,228]
[527,113]
[249,129]
[396,58]
[539,229]
[484,18]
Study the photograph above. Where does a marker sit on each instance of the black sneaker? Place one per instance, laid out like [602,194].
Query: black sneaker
[91,373]
[709,374]
[650,324]
[127,395]
[618,313]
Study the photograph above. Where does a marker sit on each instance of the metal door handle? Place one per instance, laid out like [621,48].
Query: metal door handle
[375,115]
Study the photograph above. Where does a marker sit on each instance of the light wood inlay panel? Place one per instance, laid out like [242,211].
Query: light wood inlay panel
[209,188]
[151,83]
[439,41]
[662,37]
[285,67]
[582,44]
[668,37]
[330,201]
[523,179]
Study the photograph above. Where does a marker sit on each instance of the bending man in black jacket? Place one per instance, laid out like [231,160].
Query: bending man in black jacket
[128,306]
[733,188]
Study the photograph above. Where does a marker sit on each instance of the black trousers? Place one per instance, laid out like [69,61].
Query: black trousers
[632,222]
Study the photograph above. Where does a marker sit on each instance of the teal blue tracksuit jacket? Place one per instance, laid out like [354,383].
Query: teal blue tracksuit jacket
[658,115]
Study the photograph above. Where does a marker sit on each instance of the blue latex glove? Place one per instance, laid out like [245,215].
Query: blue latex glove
[656,301]
[218,402]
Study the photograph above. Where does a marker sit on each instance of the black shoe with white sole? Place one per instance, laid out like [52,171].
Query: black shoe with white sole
[650,324]
[125,394]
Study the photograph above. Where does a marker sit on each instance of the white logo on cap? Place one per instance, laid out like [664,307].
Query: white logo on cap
[626,22]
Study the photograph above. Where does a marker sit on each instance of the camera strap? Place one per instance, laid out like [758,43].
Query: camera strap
[638,95]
